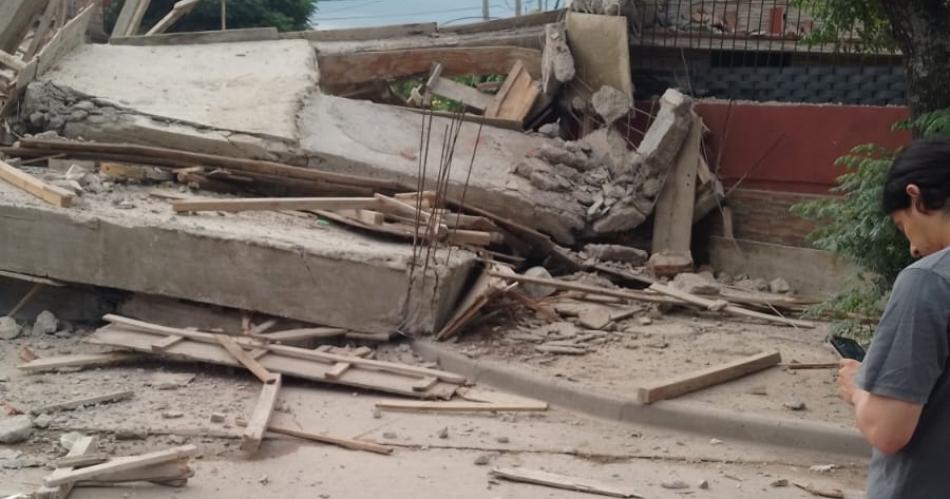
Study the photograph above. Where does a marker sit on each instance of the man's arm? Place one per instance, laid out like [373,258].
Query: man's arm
[886,423]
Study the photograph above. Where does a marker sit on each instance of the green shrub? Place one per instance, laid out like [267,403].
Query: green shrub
[854,227]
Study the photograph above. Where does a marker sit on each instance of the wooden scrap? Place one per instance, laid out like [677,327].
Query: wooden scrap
[36,288]
[820,492]
[171,474]
[120,464]
[302,335]
[179,10]
[137,173]
[818,365]
[341,367]
[560,481]
[727,308]
[416,406]
[261,328]
[274,204]
[85,401]
[368,33]
[130,17]
[83,446]
[516,96]
[346,443]
[16,18]
[51,194]
[78,360]
[486,287]
[80,461]
[456,91]
[166,342]
[200,37]
[260,418]
[45,22]
[246,360]
[711,376]
[425,384]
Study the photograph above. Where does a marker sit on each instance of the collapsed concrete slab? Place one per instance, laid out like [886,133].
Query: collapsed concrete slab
[267,262]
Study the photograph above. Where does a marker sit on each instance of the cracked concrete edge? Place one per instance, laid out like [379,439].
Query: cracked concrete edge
[672,414]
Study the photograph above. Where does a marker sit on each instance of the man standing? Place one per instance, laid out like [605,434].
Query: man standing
[901,392]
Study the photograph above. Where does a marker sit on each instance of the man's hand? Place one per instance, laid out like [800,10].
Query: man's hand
[847,368]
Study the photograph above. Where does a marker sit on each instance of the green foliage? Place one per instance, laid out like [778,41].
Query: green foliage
[285,15]
[862,21]
[853,226]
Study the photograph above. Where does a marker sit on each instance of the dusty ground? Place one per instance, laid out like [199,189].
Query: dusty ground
[629,354]
[642,458]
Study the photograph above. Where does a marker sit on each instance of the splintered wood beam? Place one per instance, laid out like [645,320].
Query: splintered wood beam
[245,359]
[516,96]
[83,446]
[559,481]
[275,204]
[257,425]
[53,195]
[715,375]
[346,443]
[120,464]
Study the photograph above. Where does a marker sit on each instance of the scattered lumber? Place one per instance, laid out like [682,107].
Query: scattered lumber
[179,10]
[346,443]
[705,378]
[559,481]
[415,406]
[78,360]
[274,204]
[254,433]
[82,447]
[51,194]
[516,96]
[728,308]
[291,361]
[120,464]
[85,401]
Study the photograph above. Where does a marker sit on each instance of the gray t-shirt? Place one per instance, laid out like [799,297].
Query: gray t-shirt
[908,360]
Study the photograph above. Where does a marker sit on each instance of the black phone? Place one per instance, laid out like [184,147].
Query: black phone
[847,348]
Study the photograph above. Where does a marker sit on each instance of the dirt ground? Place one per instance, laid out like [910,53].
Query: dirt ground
[630,353]
[173,404]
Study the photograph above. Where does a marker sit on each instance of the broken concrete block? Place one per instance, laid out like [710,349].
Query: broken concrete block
[619,218]
[557,63]
[15,429]
[594,317]
[779,285]
[46,323]
[611,104]
[617,253]
[536,290]
[695,284]
[9,328]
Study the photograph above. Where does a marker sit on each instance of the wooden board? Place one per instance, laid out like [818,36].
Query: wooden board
[356,34]
[179,10]
[254,433]
[365,67]
[78,360]
[346,443]
[729,308]
[122,464]
[24,181]
[298,367]
[559,481]
[82,447]
[416,406]
[130,17]
[85,401]
[705,378]
[246,360]
[458,92]
[292,336]
[516,97]
[200,37]
[274,204]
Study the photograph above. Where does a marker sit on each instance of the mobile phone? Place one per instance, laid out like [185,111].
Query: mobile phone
[847,348]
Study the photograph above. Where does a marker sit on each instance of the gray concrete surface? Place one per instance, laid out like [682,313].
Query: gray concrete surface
[254,87]
[272,263]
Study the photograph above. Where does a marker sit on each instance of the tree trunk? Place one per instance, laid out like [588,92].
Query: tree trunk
[922,29]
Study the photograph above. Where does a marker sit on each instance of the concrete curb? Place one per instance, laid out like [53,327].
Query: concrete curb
[675,415]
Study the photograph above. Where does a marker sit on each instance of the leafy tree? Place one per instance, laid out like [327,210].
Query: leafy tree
[285,15]
[853,226]
[919,28]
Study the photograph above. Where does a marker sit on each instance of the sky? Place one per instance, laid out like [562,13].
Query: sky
[354,13]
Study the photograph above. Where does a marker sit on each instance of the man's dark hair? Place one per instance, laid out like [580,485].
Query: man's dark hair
[926,164]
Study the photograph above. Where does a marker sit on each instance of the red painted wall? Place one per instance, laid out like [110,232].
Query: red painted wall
[791,147]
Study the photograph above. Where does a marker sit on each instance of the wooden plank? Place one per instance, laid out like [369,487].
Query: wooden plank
[424,384]
[705,378]
[673,226]
[416,406]
[12,62]
[167,342]
[82,447]
[365,67]
[274,204]
[246,360]
[262,327]
[80,461]
[346,443]
[70,36]
[123,23]
[339,368]
[161,474]
[85,401]
[728,308]
[301,335]
[79,360]
[359,34]
[117,465]
[260,418]
[34,289]
[626,294]
[419,372]
[458,92]
[24,181]
[516,97]
[559,481]
[200,37]
[42,28]
[179,10]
